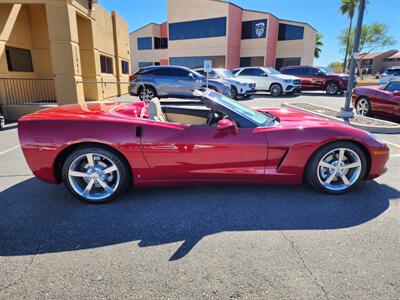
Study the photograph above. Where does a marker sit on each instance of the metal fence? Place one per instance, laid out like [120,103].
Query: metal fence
[27,91]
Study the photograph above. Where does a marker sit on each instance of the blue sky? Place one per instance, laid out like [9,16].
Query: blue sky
[321,14]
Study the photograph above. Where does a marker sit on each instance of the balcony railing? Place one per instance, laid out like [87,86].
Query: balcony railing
[27,91]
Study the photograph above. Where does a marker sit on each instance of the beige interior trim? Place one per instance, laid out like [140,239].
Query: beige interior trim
[185,119]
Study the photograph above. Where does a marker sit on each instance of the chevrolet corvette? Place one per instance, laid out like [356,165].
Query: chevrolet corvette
[377,100]
[98,149]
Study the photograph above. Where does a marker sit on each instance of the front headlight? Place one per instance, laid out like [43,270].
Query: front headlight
[288,80]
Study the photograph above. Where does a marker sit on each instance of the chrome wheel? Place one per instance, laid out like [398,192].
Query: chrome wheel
[362,107]
[332,88]
[93,176]
[146,94]
[339,169]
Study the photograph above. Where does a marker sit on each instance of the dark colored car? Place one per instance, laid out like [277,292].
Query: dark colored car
[172,81]
[370,100]
[318,78]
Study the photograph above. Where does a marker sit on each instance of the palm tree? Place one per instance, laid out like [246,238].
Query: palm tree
[348,7]
[318,45]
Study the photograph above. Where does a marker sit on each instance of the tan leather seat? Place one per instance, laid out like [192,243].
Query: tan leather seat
[155,111]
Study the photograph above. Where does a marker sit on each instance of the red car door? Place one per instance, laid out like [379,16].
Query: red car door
[197,152]
[385,102]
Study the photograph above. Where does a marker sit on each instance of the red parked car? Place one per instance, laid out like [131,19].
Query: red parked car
[99,149]
[370,100]
[318,78]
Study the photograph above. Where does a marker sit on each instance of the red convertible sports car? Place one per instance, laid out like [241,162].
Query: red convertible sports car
[99,149]
[369,100]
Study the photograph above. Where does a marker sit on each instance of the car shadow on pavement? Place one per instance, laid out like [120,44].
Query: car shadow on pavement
[38,218]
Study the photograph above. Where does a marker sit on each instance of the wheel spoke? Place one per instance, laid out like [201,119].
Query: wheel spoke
[88,188]
[330,178]
[110,169]
[105,186]
[90,160]
[77,174]
[345,180]
[327,165]
[341,155]
[352,165]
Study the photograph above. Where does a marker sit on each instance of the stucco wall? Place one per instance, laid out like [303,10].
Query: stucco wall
[298,48]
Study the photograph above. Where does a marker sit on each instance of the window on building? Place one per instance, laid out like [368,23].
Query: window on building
[290,32]
[144,43]
[252,61]
[366,62]
[197,29]
[255,29]
[19,60]
[198,61]
[125,67]
[251,72]
[145,64]
[106,64]
[160,43]
[288,61]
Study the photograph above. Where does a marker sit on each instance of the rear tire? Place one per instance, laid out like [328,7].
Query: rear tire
[95,175]
[363,107]
[331,172]
[275,90]
[147,93]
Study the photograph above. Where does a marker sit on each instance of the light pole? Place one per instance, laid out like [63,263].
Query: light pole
[346,112]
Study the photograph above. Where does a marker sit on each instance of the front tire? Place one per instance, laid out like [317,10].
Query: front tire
[275,90]
[332,88]
[234,93]
[363,107]
[95,175]
[336,168]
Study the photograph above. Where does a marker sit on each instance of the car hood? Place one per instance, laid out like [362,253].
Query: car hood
[284,76]
[293,118]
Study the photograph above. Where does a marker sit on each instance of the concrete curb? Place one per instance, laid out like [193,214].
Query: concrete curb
[392,128]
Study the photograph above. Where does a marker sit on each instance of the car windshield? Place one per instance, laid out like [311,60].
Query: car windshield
[393,86]
[326,70]
[256,117]
[270,70]
[224,73]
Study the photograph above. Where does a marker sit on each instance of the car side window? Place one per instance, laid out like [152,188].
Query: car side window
[162,72]
[251,72]
[179,72]
[312,72]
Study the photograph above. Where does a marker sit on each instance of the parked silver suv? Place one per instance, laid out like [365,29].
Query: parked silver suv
[171,81]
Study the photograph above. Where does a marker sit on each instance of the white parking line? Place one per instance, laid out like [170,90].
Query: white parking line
[393,144]
[9,149]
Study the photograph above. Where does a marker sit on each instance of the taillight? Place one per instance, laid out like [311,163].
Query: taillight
[132,77]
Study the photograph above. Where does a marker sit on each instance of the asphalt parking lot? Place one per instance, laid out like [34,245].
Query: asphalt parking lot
[221,242]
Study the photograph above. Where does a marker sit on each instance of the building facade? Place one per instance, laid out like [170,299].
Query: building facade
[376,62]
[225,33]
[60,52]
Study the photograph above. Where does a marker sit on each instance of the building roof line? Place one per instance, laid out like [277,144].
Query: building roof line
[151,23]
[245,9]
[265,12]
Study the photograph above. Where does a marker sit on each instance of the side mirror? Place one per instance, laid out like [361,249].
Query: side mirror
[396,93]
[226,124]
[264,75]
[191,76]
